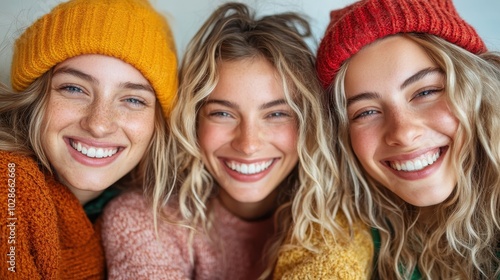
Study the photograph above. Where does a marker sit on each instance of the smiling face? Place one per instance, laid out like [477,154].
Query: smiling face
[401,127]
[100,121]
[248,135]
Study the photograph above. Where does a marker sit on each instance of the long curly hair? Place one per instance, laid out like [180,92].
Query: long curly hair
[310,192]
[462,240]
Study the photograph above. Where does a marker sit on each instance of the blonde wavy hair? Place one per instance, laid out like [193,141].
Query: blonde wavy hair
[22,128]
[463,239]
[310,194]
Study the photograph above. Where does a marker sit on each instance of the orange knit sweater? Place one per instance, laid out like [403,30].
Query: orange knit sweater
[44,232]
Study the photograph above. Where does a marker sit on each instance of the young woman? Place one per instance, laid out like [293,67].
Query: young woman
[92,91]
[416,94]
[249,139]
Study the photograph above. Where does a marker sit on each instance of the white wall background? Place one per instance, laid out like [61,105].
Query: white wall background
[186,16]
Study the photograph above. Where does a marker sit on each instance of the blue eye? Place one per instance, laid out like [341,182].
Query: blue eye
[135,101]
[428,92]
[365,114]
[279,115]
[220,114]
[72,89]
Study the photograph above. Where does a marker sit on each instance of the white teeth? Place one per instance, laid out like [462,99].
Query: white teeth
[99,153]
[93,152]
[248,169]
[416,164]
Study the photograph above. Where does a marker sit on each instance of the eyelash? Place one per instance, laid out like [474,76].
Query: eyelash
[75,89]
[220,114]
[422,94]
[428,92]
[279,115]
[365,114]
[72,89]
[135,101]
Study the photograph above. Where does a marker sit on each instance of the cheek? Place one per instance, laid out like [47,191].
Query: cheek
[441,119]
[59,116]
[446,123]
[210,137]
[140,127]
[58,113]
[285,138]
[362,142]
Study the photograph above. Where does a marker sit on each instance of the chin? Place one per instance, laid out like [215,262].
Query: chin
[431,201]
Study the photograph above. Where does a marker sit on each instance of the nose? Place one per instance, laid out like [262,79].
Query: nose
[100,118]
[402,129]
[247,139]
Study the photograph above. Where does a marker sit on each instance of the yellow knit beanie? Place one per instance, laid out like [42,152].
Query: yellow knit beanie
[130,30]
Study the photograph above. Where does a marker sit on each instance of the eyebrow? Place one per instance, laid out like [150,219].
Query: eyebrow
[412,79]
[362,96]
[419,75]
[230,104]
[224,103]
[134,86]
[76,73]
[89,78]
[272,104]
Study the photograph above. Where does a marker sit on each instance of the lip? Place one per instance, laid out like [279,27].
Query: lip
[419,174]
[248,178]
[92,162]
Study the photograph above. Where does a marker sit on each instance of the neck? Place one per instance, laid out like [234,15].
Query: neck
[427,213]
[250,211]
[85,196]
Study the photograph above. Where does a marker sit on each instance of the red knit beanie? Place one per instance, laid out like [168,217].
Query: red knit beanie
[363,22]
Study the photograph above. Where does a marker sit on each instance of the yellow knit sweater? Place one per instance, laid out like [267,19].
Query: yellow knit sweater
[45,233]
[337,260]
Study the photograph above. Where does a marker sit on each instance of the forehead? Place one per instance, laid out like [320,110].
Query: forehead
[247,79]
[103,68]
[385,62]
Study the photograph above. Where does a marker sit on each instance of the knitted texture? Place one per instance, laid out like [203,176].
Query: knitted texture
[336,259]
[130,30]
[44,231]
[234,250]
[359,24]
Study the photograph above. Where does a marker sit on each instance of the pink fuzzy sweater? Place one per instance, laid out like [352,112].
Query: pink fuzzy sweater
[133,251]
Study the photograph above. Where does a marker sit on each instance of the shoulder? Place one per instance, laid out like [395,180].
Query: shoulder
[126,220]
[19,166]
[335,259]
[30,209]
[134,247]
[128,206]
[25,180]
[12,157]
[131,213]
[360,233]
[134,204]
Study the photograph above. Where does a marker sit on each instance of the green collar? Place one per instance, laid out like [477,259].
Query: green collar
[416,275]
[94,208]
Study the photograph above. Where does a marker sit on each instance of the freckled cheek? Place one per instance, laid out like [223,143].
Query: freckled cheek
[59,114]
[140,127]
[363,143]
